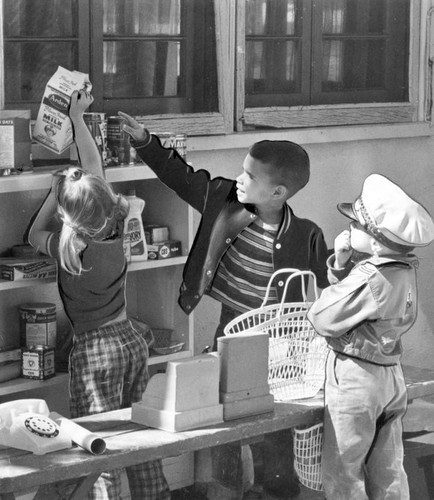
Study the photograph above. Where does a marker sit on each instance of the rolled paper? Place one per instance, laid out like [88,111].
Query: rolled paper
[79,435]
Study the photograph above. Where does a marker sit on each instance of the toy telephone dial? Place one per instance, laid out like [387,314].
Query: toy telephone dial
[25,424]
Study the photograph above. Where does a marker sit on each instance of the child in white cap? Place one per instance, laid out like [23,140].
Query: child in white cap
[371,303]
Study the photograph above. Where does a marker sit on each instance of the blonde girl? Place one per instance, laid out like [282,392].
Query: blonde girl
[108,360]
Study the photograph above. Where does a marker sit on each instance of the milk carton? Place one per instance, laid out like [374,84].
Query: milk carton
[53,128]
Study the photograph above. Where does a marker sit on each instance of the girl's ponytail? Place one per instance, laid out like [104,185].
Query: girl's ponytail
[71,244]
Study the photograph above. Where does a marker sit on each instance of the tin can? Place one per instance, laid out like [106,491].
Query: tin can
[38,324]
[167,139]
[181,145]
[175,141]
[97,124]
[118,142]
[38,362]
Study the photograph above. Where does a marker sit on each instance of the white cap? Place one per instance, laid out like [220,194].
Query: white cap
[390,215]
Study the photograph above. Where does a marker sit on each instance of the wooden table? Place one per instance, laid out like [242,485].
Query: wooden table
[129,443]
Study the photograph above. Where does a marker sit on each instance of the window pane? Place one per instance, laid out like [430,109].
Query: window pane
[265,17]
[39,36]
[141,69]
[273,47]
[353,65]
[271,67]
[354,16]
[363,51]
[40,18]
[28,67]
[142,17]
[159,56]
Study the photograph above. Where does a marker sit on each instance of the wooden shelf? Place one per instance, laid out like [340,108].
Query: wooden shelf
[40,178]
[133,266]
[24,384]
[9,285]
[153,285]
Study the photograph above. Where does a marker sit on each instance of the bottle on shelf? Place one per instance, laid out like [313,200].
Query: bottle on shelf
[134,235]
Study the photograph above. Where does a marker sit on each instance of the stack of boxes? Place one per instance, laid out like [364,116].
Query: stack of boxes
[160,246]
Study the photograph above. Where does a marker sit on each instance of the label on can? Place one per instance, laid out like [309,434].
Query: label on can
[97,124]
[181,145]
[38,324]
[118,142]
[175,141]
[38,362]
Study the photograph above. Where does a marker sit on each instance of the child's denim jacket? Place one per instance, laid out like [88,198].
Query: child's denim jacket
[368,307]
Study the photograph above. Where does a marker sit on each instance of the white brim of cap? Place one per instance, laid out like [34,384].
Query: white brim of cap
[347,210]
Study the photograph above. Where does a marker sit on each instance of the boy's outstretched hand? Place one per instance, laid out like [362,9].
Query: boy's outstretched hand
[134,129]
[80,101]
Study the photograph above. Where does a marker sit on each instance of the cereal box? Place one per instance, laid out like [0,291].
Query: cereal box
[53,128]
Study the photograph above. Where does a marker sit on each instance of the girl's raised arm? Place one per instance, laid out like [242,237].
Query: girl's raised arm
[88,153]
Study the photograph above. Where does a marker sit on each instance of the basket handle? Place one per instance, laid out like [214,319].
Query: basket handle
[299,274]
[295,272]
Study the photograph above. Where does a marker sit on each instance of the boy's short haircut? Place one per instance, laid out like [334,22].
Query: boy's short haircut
[289,160]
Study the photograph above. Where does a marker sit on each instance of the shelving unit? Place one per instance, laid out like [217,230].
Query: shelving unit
[152,286]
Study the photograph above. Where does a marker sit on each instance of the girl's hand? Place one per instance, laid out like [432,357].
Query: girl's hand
[343,250]
[80,101]
[134,129]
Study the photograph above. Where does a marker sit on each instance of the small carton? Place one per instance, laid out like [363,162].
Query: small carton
[15,143]
[12,269]
[164,250]
[53,128]
[156,234]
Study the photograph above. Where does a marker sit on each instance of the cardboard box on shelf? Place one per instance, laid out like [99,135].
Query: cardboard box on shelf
[13,269]
[155,233]
[15,142]
[164,250]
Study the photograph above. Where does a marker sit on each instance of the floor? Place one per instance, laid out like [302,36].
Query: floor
[305,494]
[256,493]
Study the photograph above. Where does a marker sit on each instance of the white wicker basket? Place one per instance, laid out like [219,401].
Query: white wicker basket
[297,355]
[307,456]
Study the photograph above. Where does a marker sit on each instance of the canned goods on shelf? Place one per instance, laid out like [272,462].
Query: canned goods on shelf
[38,362]
[97,124]
[118,142]
[176,141]
[38,324]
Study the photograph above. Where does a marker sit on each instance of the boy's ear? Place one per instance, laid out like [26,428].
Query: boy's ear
[279,192]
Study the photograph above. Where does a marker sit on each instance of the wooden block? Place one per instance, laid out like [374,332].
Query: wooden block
[254,392]
[176,421]
[244,361]
[250,406]
[188,384]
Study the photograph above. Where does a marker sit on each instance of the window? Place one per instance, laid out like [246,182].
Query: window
[314,53]
[212,66]
[146,57]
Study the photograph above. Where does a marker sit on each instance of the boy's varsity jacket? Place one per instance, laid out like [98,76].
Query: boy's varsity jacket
[299,244]
[368,307]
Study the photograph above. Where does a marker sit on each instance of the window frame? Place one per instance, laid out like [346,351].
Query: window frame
[232,115]
[332,114]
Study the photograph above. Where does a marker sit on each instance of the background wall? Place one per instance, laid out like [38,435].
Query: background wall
[337,173]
